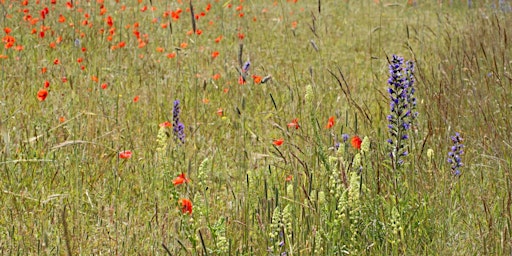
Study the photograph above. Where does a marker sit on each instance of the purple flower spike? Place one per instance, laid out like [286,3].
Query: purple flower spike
[454,155]
[178,127]
[402,106]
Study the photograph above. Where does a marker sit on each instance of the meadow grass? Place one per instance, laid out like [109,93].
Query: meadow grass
[66,189]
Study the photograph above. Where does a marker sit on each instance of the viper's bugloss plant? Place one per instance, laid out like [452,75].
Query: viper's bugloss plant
[454,156]
[402,104]
[178,127]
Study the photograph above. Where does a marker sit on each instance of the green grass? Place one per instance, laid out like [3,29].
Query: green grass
[64,190]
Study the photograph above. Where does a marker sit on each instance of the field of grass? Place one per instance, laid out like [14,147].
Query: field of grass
[138,128]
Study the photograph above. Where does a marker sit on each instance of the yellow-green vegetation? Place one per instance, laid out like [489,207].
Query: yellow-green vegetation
[256,127]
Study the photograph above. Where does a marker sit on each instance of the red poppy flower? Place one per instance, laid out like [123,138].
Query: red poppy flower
[294,124]
[257,79]
[356,142]
[186,205]
[180,179]
[215,54]
[42,94]
[289,178]
[8,41]
[46,84]
[278,142]
[165,124]
[330,123]
[127,154]
[136,99]
[241,80]
[220,112]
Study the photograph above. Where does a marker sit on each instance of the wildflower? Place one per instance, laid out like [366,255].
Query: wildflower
[220,112]
[46,84]
[356,142]
[180,179]
[161,138]
[165,124]
[215,54]
[110,21]
[8,41]
[241,80]
[344,137]
[104,86]
[278,142]
[218,39]
[179,128]
[246,66]
[127,154]
[186,205]
[294,124]
[330,123]
[402,100]
[136,99]
[336,146]
[294,24]
[454,156]
[257,79]
[42,94]
[430,155]
[365,144]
